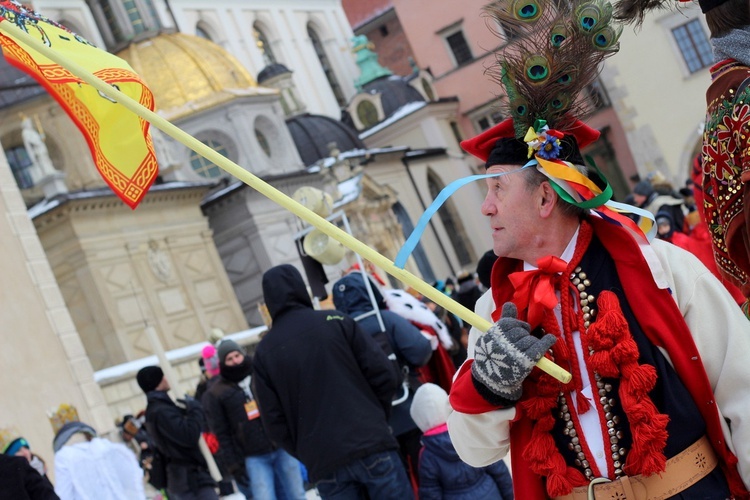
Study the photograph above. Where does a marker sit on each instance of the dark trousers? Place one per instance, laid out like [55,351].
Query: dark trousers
[376,476]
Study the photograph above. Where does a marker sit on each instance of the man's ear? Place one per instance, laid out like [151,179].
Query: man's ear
[547,198]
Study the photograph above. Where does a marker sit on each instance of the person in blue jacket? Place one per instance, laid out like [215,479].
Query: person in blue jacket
[442,474]
[411,348]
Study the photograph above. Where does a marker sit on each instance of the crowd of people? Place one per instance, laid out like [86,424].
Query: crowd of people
[388,396]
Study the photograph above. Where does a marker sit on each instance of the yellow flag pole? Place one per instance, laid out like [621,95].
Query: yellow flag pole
[270,192]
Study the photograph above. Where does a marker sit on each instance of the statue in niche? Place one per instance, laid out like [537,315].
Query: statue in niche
[159,262]
[33,142]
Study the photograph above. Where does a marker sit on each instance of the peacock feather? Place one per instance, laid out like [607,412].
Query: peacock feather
[555,50]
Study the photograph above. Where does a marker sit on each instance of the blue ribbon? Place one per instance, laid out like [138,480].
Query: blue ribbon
[414,237]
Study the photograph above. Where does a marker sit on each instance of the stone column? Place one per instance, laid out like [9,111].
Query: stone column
[43,360]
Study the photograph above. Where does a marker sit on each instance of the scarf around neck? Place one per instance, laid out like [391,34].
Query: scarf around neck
[734,45]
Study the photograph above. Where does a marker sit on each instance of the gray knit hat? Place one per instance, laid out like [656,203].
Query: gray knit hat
[225,347]
[67,431]
[430,407]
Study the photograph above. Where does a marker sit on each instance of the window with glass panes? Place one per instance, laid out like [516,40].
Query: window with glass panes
[20,163]
[326,64]
[694,45]
[134,15]
[261,40]
[204,167]
[459,47]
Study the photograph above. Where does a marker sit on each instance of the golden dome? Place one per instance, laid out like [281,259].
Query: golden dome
[187,73]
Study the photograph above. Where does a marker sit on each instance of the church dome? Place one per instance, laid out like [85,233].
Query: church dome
[272,70]
[187,73]
[313,133]
[395,93]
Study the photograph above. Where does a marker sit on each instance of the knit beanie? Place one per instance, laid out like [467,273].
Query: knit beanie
[149,377]
[430,407]
[210,360]
[227,346]
[643,188]
[67,431]
[15,445]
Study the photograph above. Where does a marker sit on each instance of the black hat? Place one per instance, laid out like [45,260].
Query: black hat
[149,378]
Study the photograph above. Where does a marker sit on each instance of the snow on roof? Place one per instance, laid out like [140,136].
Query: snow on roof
[350,190]
[401,112]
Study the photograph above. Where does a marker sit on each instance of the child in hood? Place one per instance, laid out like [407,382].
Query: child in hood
[442,474]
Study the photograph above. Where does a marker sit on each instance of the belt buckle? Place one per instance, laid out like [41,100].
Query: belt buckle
[594,482]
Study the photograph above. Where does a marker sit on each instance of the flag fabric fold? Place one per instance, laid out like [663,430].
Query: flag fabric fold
[119,140]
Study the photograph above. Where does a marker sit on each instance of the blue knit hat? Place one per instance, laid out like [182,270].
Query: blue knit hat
[15,445]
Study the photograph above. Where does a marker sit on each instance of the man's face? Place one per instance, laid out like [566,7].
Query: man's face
[163,385]
[24,452]
[234,358]
[512,210]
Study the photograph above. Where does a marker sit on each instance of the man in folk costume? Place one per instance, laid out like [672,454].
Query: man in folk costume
[660,355]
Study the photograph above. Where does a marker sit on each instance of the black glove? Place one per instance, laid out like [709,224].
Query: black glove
[506,354]
[238,472]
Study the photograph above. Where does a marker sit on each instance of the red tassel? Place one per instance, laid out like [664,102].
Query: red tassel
[582,402]
[641,378]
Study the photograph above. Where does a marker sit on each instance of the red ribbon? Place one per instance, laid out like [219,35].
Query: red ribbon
[535,290]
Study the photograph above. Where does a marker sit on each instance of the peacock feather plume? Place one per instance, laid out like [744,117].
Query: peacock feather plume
[554,51]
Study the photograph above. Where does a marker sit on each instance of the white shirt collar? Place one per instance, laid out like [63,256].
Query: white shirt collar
[566,255]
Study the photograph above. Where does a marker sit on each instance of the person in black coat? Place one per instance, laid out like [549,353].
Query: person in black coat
[325,389]
[244,447]
[20,481]
[175,432]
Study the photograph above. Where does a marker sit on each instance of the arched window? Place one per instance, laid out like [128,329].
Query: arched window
[326,65]
[20,163]
[205,168]
[261,40]
[452,223]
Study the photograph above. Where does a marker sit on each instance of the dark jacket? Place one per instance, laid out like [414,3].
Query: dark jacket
[324,387]
[175,432]
[20,481]
[443,476]
[412,349]
[224,403]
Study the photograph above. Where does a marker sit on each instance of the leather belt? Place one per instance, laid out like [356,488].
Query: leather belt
[681,472]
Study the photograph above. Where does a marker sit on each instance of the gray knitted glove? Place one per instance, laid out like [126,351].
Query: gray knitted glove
[506,354]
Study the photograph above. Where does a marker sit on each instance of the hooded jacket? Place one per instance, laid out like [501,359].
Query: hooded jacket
[412,349]
[444,476]
[323,386]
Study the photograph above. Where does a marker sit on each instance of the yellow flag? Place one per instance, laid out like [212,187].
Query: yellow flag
[119,140]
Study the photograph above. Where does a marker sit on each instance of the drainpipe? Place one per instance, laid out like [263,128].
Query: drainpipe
[405,161]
